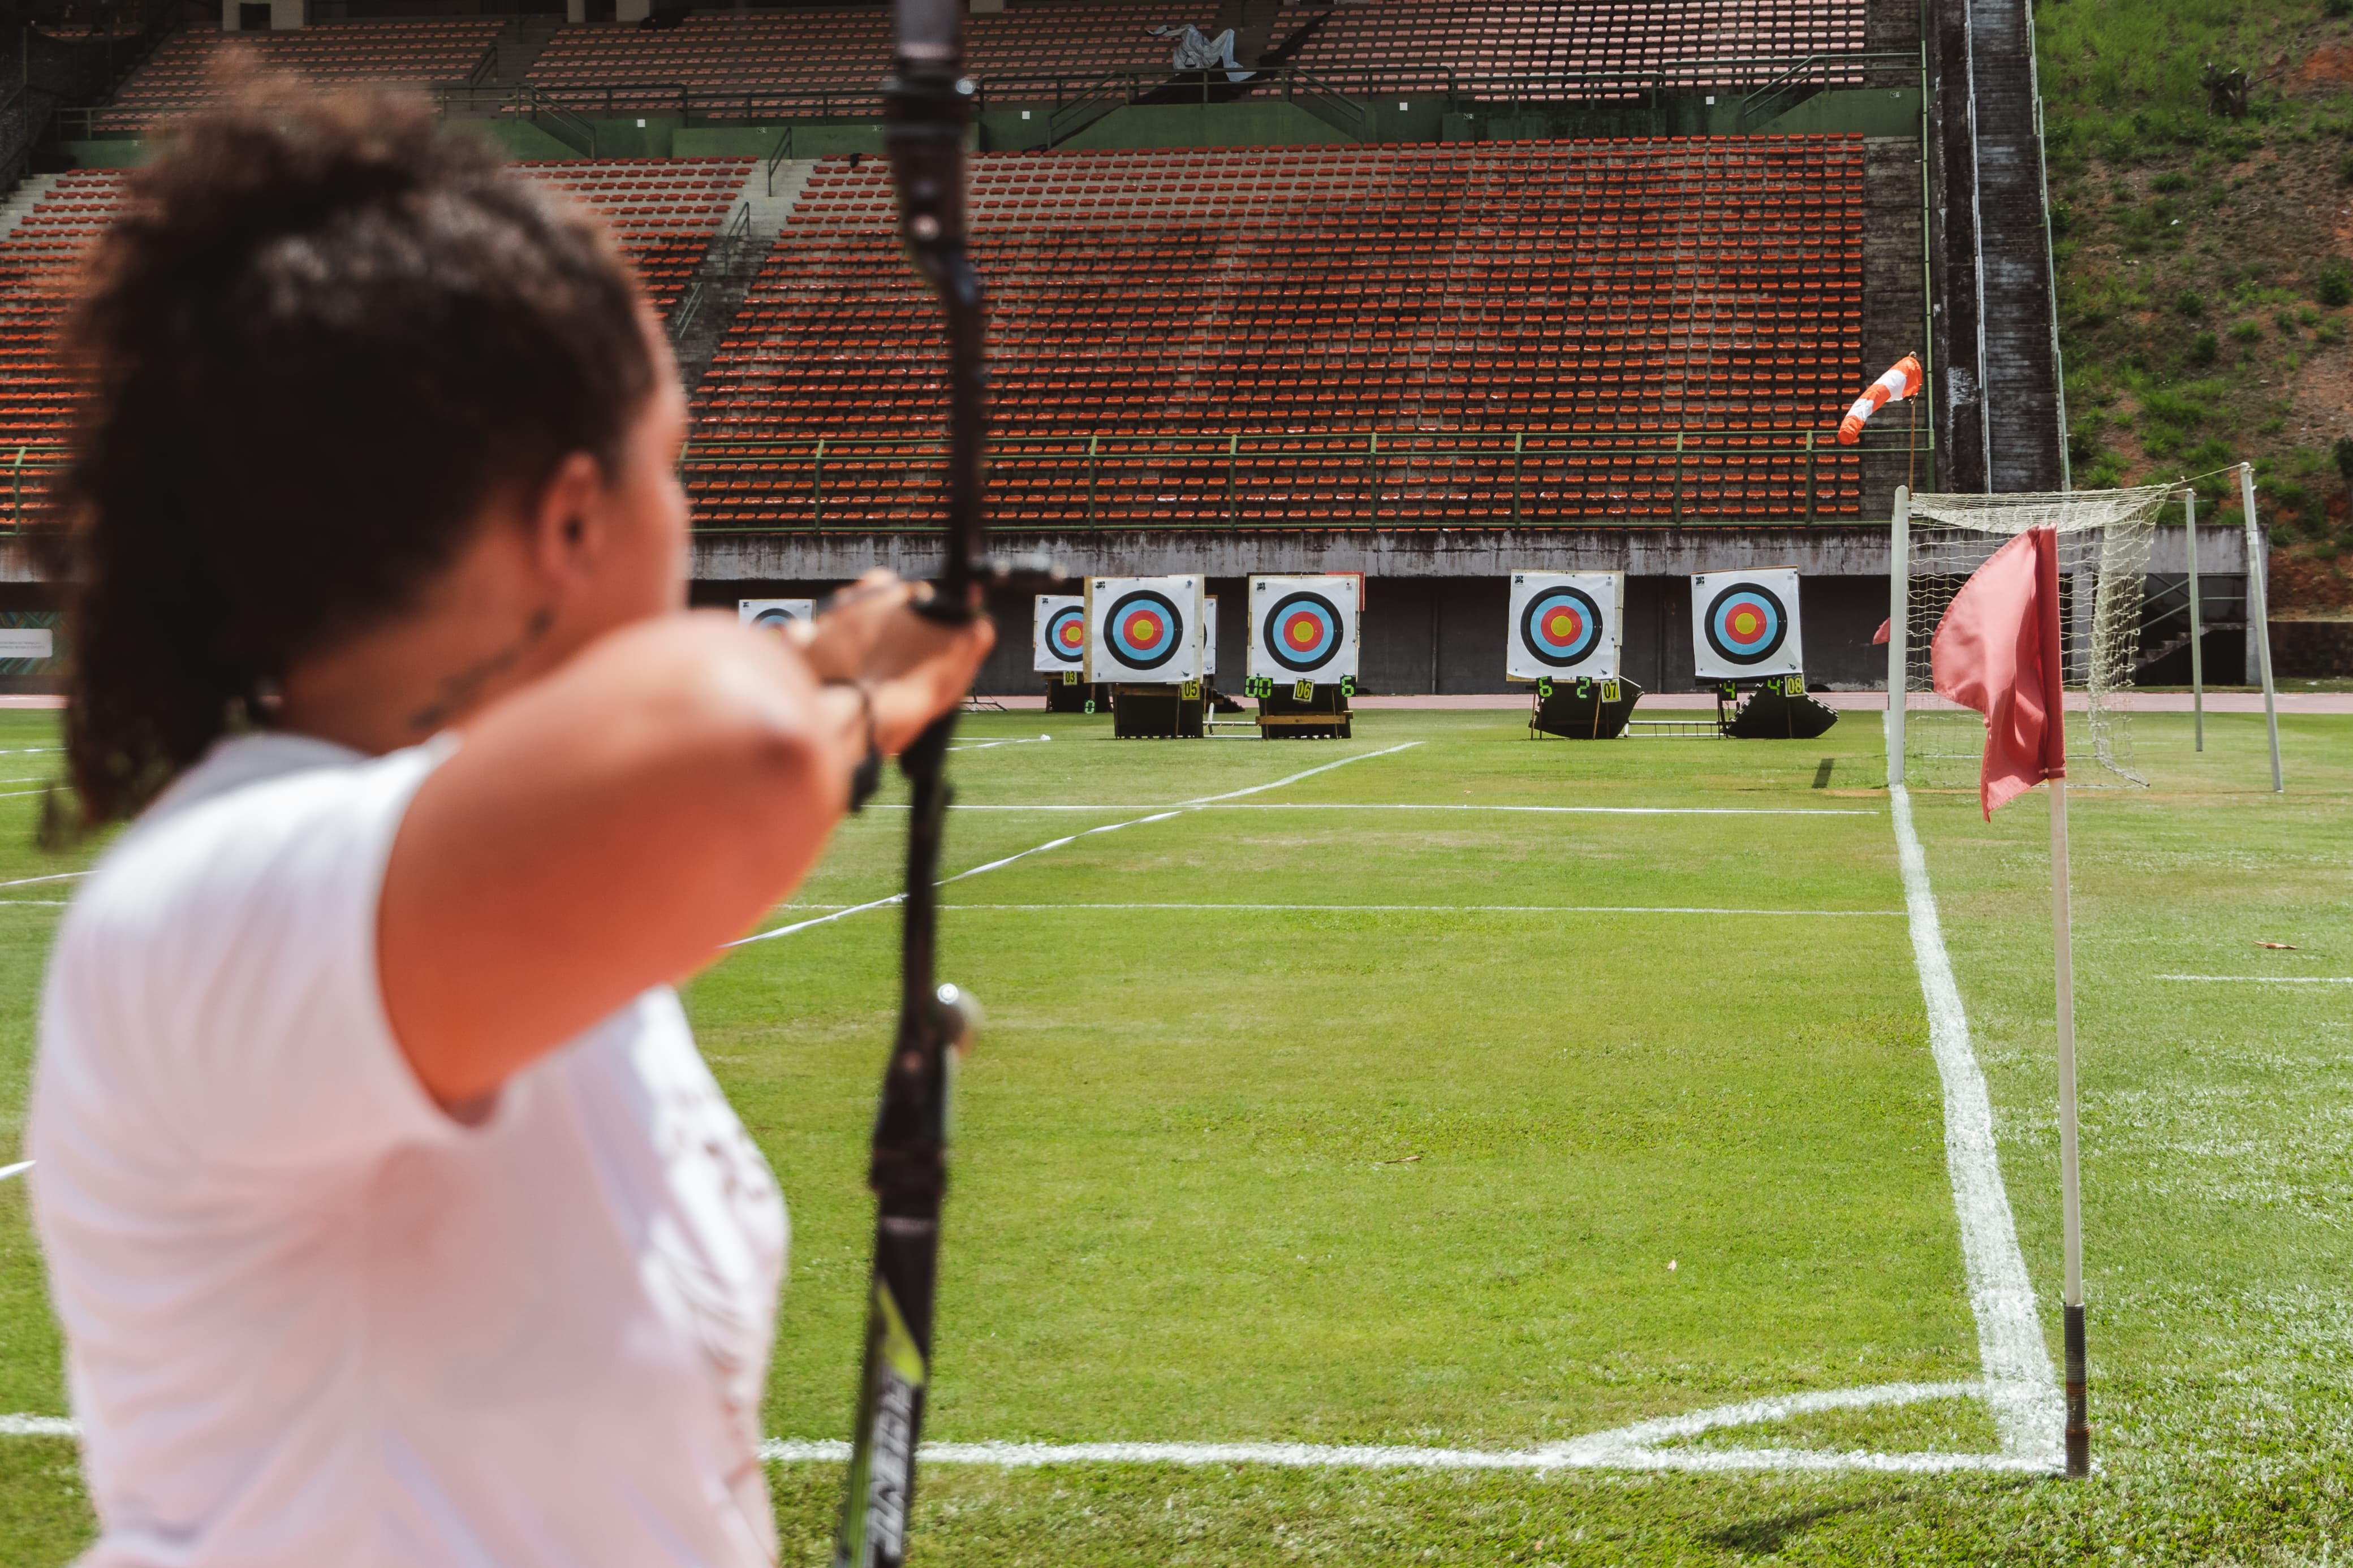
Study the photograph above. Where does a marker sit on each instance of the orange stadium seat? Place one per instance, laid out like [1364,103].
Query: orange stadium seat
[1586,293]
[397,54]
[662,213]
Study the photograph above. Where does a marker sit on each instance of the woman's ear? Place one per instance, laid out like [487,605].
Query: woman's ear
[563,518]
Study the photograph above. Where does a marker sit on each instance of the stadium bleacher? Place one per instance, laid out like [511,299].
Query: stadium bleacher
[1420,42]
[661,214]
[400,54]
[842,49]
[1581,293]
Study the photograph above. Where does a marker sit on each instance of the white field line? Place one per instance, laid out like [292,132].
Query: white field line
[1560,810]
[28,882]
[1634,1447]
[1446,910]
[21,793]
[39,903]
[1309,773]
[986,746]
[18,1169]
[2262,979]
[1160,815]
[1439,805]
[2020,1387]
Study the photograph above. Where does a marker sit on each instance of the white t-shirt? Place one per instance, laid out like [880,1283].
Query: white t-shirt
[314,1321]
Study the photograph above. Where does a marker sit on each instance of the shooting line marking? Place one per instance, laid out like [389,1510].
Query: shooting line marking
[1449,910]
[2020,1387]
[986,746]
[1634,1447]
[2262,979]
[28,882]
[1439,805]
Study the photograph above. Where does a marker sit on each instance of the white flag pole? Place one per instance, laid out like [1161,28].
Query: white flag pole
[1899,631]
[2259,610]
[2197,658]
[2079,1431]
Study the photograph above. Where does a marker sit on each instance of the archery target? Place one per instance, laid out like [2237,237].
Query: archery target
[1305,628]
[1744,625]
[1565,623]
[773,613]
[1059,634]
[1145,630]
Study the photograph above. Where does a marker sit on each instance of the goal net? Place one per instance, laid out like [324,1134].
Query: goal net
[2103,544]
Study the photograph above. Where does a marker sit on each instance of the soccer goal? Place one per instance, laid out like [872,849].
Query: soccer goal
[2104,548]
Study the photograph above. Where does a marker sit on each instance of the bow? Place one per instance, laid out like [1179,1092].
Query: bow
[926,106]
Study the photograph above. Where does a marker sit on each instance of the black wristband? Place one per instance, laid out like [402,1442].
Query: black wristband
[866,776]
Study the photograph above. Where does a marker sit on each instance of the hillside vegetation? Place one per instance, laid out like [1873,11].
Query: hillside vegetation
[2205,261]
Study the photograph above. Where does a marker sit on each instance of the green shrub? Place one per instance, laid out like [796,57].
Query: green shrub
[2190,302]
[2172,180]
[2329,332]
[2337,7]
[2203,348]
[2246,331]
[2335,286]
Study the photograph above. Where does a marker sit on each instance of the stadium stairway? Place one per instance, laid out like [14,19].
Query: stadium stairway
[733,264]
[1999,409]
[20,202]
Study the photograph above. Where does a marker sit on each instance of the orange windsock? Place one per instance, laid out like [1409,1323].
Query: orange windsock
[1902,380]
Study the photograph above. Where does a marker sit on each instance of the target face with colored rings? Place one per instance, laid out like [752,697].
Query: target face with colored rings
[1304,631]
[1144,629]
[774,619]
[1561,626]
[1747,624]
[1066,633]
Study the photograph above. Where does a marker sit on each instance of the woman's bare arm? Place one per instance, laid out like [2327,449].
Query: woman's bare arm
[607,827]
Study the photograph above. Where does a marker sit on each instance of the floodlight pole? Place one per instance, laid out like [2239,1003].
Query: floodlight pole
[1899,601]
[2259,613]
[2197,654]
[2079,1428]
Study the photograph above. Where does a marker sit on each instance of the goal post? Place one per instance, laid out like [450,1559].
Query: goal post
[1938,540]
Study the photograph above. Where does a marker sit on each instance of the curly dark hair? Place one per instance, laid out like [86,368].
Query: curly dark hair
[318,341]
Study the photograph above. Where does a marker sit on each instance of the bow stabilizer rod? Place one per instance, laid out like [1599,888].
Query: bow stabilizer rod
[926,105]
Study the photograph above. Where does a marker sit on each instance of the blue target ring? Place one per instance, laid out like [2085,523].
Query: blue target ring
[1066,633]
[1302,632]
[1144,629]
[1747,624]
[1561,626]
[773,619]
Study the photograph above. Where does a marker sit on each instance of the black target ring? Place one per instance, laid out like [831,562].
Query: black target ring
[1131,653]
[1723,640]
[1540,644]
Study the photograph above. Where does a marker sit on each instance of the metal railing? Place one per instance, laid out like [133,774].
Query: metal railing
[1068,94]
[1347,479]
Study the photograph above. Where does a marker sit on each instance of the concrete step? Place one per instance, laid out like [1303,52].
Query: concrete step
[522,43]
[29,194]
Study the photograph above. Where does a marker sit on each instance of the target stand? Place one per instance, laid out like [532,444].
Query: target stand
[1303,710]
[1162,712]
[1066,693]
[1583,710]
[1777,710]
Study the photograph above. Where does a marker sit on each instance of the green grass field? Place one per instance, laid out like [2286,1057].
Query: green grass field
[1465,1129]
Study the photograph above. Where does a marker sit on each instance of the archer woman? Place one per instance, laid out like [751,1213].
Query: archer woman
[391,1215]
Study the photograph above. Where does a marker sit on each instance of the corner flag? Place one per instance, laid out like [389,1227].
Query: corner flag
[1997,650]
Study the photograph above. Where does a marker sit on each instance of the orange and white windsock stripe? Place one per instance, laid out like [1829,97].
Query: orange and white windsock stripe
[1902,380]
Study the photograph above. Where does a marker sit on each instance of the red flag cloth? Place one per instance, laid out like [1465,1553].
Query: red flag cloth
[1997,650]
[1886,629]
